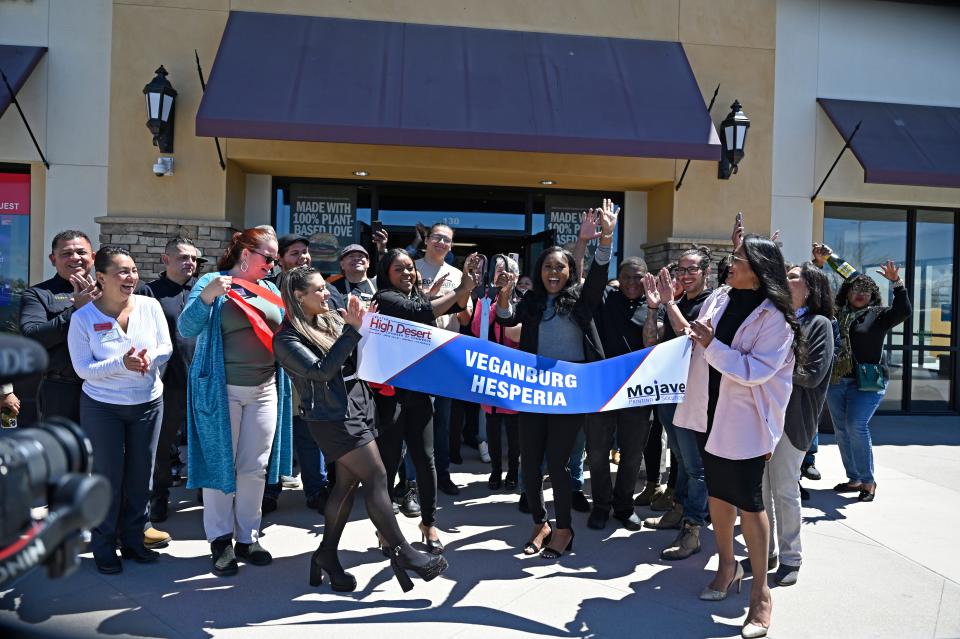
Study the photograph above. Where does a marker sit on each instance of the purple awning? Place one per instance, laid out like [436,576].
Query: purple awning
[901,143]
[286,77]
[17,63]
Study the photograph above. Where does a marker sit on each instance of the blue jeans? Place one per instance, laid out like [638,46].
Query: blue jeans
[810,457]
[851,409]
[441,434]
[691,489]
[313,467]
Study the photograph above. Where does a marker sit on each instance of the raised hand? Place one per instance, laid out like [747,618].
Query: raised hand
[737,236]
[437,286]
[820,254]
[507,282]
[380,239]
[353,314]
[890,271]
[701,332]
[665,286]
[650,289]
[588,225]
[215,288]
[84,289]
[608,219]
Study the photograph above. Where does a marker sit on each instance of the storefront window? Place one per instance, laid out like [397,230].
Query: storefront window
[921,353]
[14,242]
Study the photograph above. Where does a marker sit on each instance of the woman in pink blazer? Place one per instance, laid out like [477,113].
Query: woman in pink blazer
[740,380]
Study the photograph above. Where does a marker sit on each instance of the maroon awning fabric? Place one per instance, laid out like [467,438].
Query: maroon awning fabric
[288,77]
[901,143]
[16,62]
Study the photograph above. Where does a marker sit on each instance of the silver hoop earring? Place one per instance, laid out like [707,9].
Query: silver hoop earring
[243,266]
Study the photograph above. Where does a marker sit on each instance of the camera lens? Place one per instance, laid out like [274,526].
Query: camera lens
[48,451]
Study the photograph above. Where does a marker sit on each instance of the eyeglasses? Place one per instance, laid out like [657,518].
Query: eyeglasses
[692,270]
[441,239]
[738,257]
[269,259]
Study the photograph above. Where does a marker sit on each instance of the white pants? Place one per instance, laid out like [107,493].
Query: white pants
[253,422]
[781,499]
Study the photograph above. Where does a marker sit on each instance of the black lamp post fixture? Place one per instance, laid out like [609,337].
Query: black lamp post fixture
[733,134]
[161,100]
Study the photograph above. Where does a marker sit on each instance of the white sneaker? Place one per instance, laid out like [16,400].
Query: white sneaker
[484,452]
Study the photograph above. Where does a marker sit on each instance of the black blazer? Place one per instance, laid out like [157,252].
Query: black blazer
[868,333]
[530,315]
[319,378]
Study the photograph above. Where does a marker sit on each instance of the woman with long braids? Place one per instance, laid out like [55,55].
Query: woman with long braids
[317,347]
[860,376]
[558,322]
[408,415]
[239,424]
[747,342]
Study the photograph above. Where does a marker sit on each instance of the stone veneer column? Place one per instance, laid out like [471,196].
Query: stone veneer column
[145,238]
[659,254]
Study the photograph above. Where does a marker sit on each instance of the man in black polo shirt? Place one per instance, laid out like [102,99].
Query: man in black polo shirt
[353,280]
[620,322]
[171,289]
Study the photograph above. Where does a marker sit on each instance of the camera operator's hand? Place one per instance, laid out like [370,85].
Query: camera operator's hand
[11,403]
[84,289]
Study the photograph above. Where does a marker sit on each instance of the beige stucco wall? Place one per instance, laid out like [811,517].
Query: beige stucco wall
[727,41]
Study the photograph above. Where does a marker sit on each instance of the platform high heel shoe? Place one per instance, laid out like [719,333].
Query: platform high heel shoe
[325,560]
[427,566]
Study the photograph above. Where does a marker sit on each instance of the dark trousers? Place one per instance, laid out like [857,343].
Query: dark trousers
[631,426]
[496,422]
[464,423]
[59,399]
[174,414]
[653,451]
[408,417]
[124,440]
[553,435]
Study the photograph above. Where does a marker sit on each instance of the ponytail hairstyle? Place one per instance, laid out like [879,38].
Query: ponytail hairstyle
[104,258]
[325,328]
[703,252]
[767,263]
[248,239]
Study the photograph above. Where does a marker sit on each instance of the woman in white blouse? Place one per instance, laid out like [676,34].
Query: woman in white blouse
[118,343]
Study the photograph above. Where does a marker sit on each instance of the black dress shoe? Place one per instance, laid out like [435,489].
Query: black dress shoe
[268,505]
[159,509]
[598,519]
[494,483]
[110,565]
[810,472]
[224,559]
[629,520]
[447,486]
[580,503]
[522,504]
[410,506]
[510,483]
[140,555]
[253,553]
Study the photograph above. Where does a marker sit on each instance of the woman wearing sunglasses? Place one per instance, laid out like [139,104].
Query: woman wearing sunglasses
[860,375]
[239,421]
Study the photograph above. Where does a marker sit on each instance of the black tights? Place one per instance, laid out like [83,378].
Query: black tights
[362,466]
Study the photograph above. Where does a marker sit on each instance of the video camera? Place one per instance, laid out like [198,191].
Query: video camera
[45,464]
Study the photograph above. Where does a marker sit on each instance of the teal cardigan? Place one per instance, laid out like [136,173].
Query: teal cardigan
[209,443]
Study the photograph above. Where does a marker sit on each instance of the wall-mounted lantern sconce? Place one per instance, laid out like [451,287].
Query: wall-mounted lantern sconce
[161,101]
[733,134]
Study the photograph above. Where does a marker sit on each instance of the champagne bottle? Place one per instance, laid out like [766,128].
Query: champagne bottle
[843,267]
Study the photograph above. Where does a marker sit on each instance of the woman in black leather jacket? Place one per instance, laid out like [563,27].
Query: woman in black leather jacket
[316,347]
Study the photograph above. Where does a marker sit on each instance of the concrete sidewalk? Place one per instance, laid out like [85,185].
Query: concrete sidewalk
[884,569]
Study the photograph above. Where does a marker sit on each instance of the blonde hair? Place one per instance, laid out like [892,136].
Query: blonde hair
[325,328]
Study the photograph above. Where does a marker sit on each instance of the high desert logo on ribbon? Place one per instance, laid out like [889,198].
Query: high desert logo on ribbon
[431,360]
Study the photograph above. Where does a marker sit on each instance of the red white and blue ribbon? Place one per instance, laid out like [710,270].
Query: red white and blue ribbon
[439,362]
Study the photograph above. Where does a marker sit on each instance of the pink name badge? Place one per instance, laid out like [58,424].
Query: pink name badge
[105,326]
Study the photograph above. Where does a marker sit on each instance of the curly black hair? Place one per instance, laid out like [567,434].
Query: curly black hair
[844,292]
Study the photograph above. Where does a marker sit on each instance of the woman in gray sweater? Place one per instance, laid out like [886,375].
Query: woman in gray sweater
[812,298]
